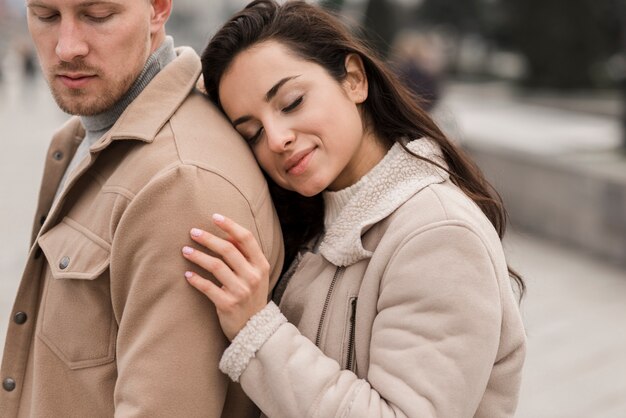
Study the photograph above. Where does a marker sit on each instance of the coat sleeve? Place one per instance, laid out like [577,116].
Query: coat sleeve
[434,341]
[169,340]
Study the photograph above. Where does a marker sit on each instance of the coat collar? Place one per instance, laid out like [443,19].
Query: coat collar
[141,121]
[390,184]
[151,110]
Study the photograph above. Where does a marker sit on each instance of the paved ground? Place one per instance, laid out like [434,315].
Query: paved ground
[575,309]
[574,314]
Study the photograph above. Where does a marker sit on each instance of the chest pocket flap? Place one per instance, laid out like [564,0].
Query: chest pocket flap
[74,252]
[76,319]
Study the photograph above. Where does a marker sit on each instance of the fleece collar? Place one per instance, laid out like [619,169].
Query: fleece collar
[393,181]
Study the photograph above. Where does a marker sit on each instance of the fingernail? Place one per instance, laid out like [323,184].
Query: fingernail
[218,218]
[195,232]
[188,275]
[187,250]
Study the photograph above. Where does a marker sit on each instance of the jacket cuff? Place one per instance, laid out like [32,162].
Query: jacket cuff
[249,340]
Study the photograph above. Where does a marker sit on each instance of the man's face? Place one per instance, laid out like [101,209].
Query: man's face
[91,51]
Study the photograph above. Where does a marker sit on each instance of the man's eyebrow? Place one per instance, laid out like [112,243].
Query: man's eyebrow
[268,96]
[83,4]
[36,4]
[97,2]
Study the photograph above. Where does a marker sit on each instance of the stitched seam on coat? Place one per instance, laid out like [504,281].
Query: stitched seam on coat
[438,198]
[432,227]
[261,198]
[356,392]
[120,191]
[444,224]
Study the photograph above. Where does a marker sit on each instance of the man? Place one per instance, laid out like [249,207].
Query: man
[104,322]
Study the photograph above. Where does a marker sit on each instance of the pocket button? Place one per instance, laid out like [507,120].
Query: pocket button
[65,261]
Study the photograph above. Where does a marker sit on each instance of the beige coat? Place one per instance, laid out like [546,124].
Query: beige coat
[415,317]
[104,322]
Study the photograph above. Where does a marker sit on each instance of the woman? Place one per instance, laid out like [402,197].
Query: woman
[398,301]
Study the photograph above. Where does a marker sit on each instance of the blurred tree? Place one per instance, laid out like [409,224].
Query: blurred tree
[379,22]
[380,25]
[463,16]
[457,18]
[620,7]
[332,4]
[563,41]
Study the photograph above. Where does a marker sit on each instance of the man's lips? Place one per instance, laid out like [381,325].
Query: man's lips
[75,80]
[297,163]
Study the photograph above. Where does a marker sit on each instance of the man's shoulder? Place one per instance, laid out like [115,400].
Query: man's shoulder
[206,139]
[196,138]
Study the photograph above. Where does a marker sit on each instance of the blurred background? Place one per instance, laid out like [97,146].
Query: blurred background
[534,90]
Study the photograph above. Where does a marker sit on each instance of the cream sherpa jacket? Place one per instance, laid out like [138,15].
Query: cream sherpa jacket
[406,311]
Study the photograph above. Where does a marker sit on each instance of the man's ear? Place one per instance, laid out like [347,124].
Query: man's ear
[355,83]
[161,10]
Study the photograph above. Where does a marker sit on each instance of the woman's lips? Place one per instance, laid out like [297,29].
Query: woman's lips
[301,164]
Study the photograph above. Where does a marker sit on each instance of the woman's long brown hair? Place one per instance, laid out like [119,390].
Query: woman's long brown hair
[394,113]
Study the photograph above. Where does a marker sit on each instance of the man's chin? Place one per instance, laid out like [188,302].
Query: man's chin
[83,106]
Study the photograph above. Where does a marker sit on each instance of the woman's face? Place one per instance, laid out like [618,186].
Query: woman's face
[304,127]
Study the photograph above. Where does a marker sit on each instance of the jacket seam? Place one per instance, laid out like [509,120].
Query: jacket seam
[356,391]
[253,204]
[443,207]
[130,196]
[119,190]
[455,223]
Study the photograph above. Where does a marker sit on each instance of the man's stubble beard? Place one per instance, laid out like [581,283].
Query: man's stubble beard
[80,103]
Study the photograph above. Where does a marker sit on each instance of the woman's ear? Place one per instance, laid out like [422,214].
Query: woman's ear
[355,83]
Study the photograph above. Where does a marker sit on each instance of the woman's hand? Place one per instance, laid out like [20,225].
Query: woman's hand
[241,269]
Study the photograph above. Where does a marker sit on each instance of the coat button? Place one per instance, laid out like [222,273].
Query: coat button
[38,253]
[58,155]
[65,261]
[8,384]
[20,318]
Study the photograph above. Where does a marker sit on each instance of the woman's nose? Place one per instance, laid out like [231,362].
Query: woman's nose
[279,137]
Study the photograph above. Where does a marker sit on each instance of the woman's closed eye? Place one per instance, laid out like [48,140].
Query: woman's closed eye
[254,138]
[293,105]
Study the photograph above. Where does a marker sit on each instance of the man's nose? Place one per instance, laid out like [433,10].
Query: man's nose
[71,43]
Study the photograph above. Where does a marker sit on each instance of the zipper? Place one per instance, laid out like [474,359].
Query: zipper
[351,335]
[318,338]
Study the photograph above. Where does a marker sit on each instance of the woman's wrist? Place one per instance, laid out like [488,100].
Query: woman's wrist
[250,339]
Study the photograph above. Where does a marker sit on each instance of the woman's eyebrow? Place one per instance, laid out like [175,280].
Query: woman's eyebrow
[268,96]
[272,92]
[241,120]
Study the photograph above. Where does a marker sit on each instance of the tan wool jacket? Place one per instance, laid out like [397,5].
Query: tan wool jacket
[407,310]
[104,323]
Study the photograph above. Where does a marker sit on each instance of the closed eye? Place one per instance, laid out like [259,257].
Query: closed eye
[98,19]
[255,138]
[293,105]
[48,18]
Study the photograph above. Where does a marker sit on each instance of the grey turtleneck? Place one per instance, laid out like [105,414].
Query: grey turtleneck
[98,125]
